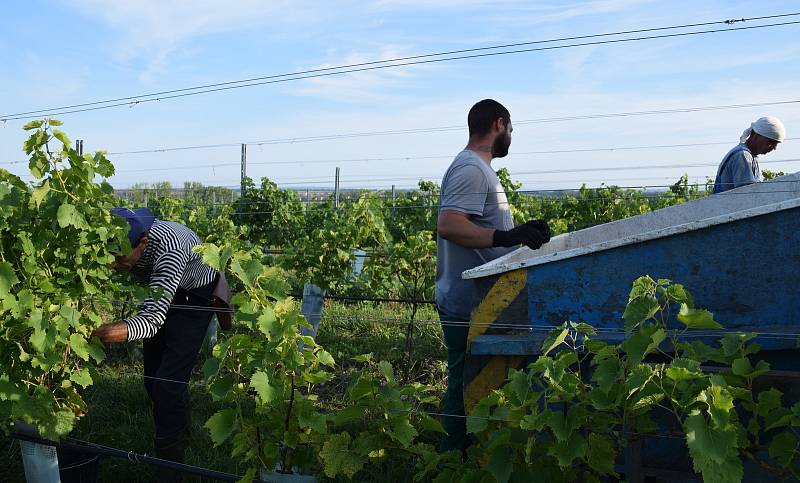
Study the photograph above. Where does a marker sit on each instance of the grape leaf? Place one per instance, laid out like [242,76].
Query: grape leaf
[82,377]
[39,193]
[7,278]
[501,463]
[638,310]
[556,341]
[697,318]
[568,450]
[260,382]
[61,136]
[221,425]
[713,450]
[601,454]
[325,358]
[337,457]
[387,370]
[642,342]
[79,345]
[402,431]
[68,215]
[783,448]
[210,368]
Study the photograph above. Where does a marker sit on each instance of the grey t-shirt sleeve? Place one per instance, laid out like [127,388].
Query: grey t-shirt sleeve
[740,169]
[465,189]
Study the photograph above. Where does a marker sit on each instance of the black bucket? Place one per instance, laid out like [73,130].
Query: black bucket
[78,467]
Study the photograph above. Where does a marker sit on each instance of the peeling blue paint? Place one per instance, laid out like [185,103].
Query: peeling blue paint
[747,272]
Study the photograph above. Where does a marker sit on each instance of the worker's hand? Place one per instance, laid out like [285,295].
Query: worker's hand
[115,332]
[534,234]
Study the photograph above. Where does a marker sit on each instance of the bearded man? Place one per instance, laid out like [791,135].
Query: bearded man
[474,227]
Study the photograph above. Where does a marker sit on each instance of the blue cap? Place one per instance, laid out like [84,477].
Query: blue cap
[140,220]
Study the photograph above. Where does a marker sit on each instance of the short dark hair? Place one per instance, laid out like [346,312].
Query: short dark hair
[484,114]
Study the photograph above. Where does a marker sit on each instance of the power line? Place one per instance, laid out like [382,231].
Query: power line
[656,166]
[532,193]
[307,180]
[397,158]
[362,64]
[658,111]
[298,187]
[323,180]
[438,195]
[408,157]
[446,128]
[539,193]
[389,63]
[399,196]
[373,159]
[329,137]
[523,173]
[411,158]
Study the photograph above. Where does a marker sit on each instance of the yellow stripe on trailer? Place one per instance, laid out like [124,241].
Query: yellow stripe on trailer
[483,374]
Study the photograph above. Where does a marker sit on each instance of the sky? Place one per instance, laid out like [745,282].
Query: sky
[57,52]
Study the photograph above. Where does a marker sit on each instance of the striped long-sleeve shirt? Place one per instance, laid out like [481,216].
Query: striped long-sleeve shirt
[167,263]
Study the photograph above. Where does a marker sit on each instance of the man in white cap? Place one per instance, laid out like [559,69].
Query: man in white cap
[740,166]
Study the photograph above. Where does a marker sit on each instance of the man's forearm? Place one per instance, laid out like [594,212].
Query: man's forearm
[114,332]
[461,231]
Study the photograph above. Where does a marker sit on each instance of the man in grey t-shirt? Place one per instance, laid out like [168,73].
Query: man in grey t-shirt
[474,227]
[740,166]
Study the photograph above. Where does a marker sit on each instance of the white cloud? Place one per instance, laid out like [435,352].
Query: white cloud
[599,66]
[593,7]
[536,14]
[540,11]
[369,85]
[432,4]
[152,30]
[41,82]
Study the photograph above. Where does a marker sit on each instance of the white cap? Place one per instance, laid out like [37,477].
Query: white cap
[768,126]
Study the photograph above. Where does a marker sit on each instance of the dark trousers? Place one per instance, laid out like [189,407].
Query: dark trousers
[455,337]
[169,357]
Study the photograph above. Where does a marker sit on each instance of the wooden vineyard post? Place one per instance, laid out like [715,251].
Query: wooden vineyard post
[336,189]
[243,173]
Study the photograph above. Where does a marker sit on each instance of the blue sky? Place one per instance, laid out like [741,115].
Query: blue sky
[57,53]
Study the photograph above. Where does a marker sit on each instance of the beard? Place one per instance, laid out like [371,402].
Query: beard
[500,145]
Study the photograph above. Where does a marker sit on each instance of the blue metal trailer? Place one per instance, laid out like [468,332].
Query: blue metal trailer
[738,253]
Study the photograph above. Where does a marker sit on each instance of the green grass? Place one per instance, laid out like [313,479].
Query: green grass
[119,409]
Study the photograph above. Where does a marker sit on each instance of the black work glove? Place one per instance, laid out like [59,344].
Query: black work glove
[534,234]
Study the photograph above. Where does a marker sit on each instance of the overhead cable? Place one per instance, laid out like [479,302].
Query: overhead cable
[405,158]
[329,137]
[397,59]
[389,63]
